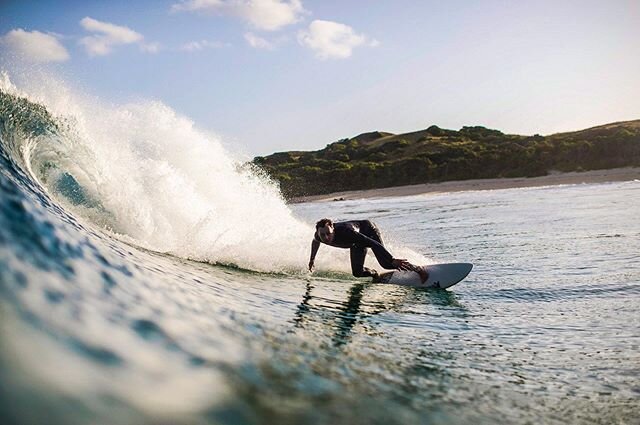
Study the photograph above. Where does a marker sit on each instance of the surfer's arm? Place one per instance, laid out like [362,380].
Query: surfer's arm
[314,250]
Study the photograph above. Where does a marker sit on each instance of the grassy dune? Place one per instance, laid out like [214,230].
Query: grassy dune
[379,159]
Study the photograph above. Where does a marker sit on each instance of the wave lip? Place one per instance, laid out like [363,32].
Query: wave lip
[148,176]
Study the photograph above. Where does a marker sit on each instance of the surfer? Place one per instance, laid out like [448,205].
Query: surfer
[358,236]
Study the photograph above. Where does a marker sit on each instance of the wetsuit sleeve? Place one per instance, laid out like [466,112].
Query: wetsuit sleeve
[314,249]
[383,256]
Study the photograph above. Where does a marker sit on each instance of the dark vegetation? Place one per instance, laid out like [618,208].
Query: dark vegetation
[377,159]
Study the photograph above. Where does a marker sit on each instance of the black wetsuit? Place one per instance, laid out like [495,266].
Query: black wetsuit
[358,235]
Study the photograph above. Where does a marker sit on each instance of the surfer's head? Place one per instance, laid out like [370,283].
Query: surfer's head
[324,230]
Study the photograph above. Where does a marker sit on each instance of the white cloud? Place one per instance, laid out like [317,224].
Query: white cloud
[332,40]
[195,46]
[34,46]
[269,15]
[107,36]
[193,5]
[150,47]
[258,42]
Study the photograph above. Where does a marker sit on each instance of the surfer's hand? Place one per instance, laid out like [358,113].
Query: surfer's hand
[311,266]
[401,264]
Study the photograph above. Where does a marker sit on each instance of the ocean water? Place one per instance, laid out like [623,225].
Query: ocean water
[148,276]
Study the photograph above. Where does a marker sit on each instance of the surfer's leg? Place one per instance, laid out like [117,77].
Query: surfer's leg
[358,254]
[370,230]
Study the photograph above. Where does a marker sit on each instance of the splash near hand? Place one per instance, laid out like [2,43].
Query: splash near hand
[402,264]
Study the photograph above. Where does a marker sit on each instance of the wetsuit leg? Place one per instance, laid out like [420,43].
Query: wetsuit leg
[358,254]
[370,230]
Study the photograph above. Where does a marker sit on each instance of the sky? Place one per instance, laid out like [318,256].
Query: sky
[275,75]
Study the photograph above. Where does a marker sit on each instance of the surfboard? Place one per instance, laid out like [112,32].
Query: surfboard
[440,276]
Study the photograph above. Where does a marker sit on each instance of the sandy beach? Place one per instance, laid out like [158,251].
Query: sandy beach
[554,178]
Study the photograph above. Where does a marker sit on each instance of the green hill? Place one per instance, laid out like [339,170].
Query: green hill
[378,159]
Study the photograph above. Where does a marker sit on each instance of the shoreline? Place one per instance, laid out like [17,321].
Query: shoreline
[552,179]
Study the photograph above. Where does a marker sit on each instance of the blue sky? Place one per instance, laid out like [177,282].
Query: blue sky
[272,75]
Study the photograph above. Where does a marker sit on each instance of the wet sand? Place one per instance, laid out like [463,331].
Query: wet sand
[554,178]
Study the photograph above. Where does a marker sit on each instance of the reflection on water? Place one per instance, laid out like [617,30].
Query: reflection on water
[303,307]
[348,315]
[440,297]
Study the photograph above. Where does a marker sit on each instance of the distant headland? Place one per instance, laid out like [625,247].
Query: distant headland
[378,160]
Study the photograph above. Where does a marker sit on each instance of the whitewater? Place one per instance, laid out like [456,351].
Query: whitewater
[150,274]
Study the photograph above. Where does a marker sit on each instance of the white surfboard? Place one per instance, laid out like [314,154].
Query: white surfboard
[440,276]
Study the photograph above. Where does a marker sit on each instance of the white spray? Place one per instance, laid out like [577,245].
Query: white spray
[168,186]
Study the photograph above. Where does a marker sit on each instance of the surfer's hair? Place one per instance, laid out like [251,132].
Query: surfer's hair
[323,222]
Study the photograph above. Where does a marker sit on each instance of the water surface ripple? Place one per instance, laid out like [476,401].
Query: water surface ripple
[544,330]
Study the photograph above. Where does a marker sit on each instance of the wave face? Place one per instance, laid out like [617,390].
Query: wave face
[102,207]
[106,317]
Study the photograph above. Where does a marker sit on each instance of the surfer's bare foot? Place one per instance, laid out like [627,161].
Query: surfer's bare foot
[424,275]
[375,276]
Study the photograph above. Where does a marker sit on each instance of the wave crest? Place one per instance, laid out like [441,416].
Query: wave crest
[148,174]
